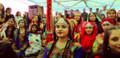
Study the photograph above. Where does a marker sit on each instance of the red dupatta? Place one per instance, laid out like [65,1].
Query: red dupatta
[70,17]
[86,41]
[80,26]
[110,21]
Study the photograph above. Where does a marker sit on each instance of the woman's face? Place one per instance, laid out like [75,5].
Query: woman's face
[111,15]
[11,22]
[9,11]
[19,13]
[106,26]
[1,6]
[34,29]
[61,30]
[114,41]
[92,17]
[77,17]
[89,30]
[22,24]
[119,14]
[102,16]
[36,18]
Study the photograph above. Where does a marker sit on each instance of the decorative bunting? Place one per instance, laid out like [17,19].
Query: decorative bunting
[106,5]
[95,5]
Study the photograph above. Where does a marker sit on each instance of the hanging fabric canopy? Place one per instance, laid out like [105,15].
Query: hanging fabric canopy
[61,5]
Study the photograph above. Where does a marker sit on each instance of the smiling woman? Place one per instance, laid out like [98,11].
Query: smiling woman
[88,36]
[111,44]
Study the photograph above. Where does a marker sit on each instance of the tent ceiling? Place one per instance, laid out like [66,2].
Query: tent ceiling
[61,5]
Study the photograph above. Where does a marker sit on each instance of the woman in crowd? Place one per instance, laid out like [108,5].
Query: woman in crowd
[63,44]
[118,18]
[111,13]
[102,16]
[34,42]
[31,19]
[80,21]
[38,22]
[76,35]
[94,19]
[111,44]
[27,19]
[8,14]
[2,15]
[18,17]
[21,39]
[7,33]
[88,36]
[98,44]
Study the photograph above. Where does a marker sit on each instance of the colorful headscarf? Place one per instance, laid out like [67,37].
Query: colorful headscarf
[107,20]
[86,41]
[73,24]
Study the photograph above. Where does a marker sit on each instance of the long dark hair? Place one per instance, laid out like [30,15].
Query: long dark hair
[80,19]
[11,35]
[36,27]
[27,18]
[96,21]
[118,18]
[2,15]
[24,27]
[27,15]
[39,21]
[103,15]
[8,9]
[105,52]
[17,13]
[68,42]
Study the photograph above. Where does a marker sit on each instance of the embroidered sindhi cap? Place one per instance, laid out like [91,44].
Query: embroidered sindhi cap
[62,21]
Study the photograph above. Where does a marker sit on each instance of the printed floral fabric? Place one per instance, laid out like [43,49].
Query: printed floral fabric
[74,51]
[20,41]
[35,44]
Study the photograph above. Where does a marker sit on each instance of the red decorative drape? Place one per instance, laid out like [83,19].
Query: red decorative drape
[49,19]
[49,13]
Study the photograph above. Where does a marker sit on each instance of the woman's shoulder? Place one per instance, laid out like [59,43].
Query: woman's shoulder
[76,44]
[49,46]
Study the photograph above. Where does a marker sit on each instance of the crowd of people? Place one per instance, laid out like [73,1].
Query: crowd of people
[75,35]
